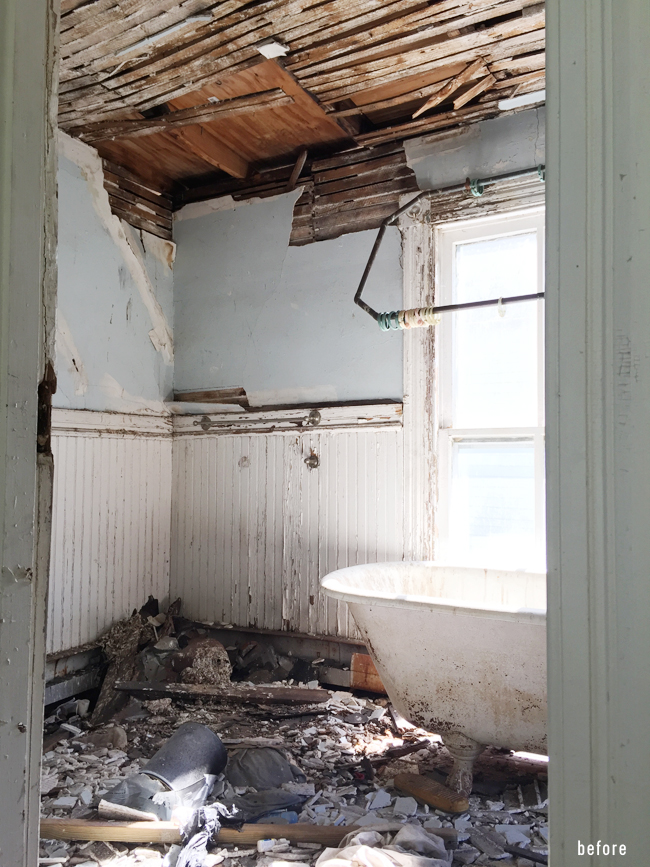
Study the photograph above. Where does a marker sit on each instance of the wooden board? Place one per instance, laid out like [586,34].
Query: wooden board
[213,395]
[246,694]
[431,792]
[364,675]
[233,142]
[279,131]
[142,205]
[168,832]
[141,57]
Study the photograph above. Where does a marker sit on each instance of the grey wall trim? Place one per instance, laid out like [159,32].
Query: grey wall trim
[27,295]
[598,417]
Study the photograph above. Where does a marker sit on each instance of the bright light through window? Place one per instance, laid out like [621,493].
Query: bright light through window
[490,372]
[495,358]
[493,501]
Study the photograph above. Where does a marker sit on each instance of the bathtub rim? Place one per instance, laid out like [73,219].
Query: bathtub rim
[335,588]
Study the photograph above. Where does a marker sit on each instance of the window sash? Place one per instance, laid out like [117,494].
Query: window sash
[476,230]
[447,435]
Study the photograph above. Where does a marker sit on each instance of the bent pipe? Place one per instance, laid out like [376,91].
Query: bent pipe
[475,187]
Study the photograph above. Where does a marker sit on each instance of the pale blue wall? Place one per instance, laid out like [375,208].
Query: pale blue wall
[280,321]
[492,147]
[103,308]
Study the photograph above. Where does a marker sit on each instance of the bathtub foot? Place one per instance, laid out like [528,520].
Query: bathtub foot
[464,751]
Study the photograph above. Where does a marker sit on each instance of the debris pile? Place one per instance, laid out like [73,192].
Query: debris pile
[347,761]
[344,779]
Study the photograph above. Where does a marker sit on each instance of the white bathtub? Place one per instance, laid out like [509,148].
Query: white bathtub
[461,651]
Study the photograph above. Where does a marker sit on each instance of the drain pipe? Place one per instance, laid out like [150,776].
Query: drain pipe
[423,317]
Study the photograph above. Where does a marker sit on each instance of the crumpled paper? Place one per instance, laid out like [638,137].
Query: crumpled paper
[412,846]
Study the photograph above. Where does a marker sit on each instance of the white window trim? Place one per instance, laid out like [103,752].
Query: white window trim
[446,435]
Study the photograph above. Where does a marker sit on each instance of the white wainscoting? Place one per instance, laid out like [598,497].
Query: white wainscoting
[111,520]
[254,528]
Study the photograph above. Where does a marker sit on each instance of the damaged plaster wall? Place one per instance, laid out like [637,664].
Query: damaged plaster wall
[280,321]
[111,430]
[115,304]
[492,147]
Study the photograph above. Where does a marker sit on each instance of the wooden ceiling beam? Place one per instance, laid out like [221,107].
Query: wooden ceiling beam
[105,130]
[295,172]
[206,146]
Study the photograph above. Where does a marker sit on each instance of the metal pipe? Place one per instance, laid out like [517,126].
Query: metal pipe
[479,184]
[488,303]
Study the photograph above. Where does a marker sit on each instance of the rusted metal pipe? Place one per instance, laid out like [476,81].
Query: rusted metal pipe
[478,184]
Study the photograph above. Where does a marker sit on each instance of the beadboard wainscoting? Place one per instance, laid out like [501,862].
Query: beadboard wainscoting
[111,520]
[265,504]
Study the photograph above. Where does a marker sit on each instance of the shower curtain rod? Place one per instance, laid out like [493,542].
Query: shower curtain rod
[425,316]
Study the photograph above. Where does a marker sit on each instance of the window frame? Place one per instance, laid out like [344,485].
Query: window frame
[446,235]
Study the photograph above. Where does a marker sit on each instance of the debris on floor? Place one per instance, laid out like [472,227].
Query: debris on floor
[359,785]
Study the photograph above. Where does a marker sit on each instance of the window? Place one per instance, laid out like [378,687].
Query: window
[491,394]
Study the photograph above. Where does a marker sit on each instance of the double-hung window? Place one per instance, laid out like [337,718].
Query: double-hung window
[491,394]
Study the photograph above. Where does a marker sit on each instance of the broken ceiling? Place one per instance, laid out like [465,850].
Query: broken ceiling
[182,100]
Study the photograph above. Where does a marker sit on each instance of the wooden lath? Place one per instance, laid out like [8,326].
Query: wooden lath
[337,48]
[177,93]
[136,202]
[348,192]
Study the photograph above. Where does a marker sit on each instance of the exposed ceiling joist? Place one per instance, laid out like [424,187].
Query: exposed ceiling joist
[264,101]
[176,92]
[200,142]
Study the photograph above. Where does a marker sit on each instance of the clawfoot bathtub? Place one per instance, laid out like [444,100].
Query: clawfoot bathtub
[461,651]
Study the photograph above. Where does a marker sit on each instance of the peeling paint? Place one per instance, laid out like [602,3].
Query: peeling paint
[249,546]
[120,400]
[227,203]
[110,534]
[65,348]
[124,237]
[164,251]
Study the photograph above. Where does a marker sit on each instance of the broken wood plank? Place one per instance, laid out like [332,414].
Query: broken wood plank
[140,223]
[389,102]
[157,211]
[169,832]
[213,395]
[298,167]
[481,86]
[431,792]
[341,83]
[470,71]
[438,20]
[109,810]
[248,694]
[184,117]
[446,120]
